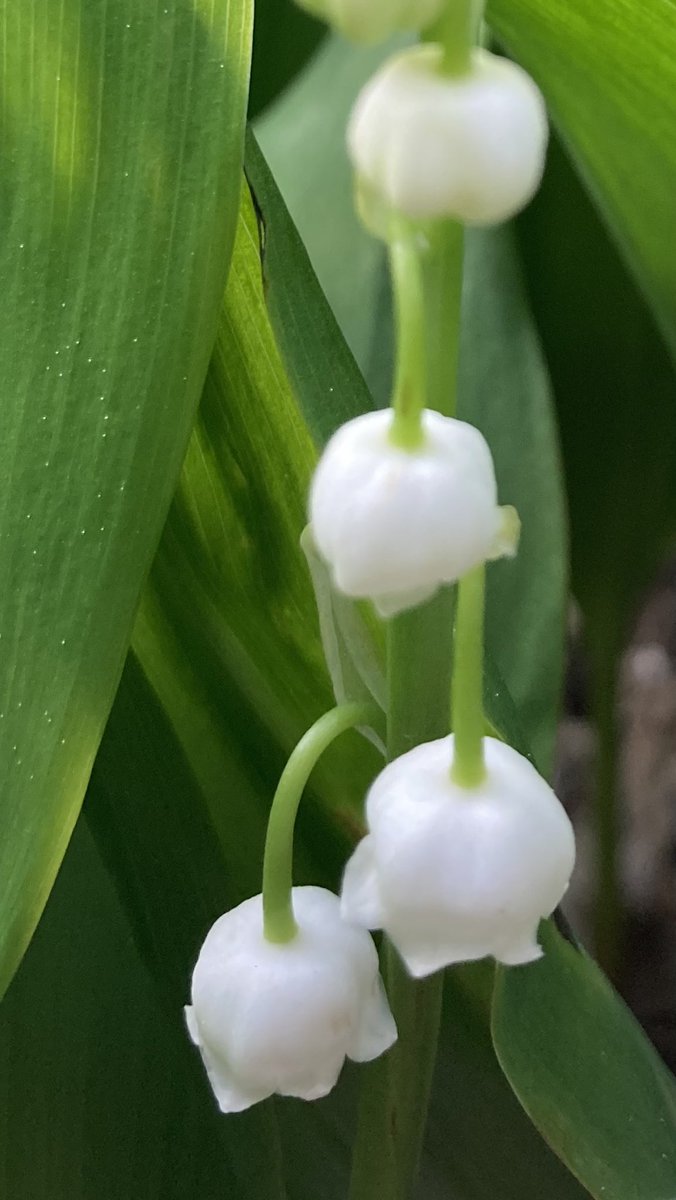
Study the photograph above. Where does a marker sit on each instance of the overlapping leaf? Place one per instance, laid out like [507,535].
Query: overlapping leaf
[608,71]
[122,130]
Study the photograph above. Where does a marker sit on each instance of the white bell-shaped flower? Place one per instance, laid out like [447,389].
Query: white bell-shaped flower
[426,145]
[282,1018]
[374,20]
[451,873]
[394,524]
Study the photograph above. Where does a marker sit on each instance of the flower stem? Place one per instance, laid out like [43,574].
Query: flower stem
[279,923]
[408,398]
[456,30]
[468,768]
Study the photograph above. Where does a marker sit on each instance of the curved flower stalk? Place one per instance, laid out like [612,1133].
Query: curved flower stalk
[455,873]
[284,988]
[282,1017]
[427,145]
[395,524]
[374,20]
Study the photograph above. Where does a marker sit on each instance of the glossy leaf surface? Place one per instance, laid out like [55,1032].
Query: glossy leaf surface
[586,1075]
[608,71]
[121,148]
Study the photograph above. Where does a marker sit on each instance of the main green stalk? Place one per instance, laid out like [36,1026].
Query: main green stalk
[395,1093]
[468,768]
[409,391]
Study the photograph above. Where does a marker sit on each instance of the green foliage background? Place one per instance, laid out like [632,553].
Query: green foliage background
[125,354]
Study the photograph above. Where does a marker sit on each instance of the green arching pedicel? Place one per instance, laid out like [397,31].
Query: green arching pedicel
[279,921]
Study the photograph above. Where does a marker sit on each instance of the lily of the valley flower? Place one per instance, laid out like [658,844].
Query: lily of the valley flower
[451,873]
[394,524]
[425,145]
[282,1018]
[374,20]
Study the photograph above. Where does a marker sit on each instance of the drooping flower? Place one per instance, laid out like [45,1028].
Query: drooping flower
[426,145]
[454,874]
[374,20]
[271,1017]
[394,524]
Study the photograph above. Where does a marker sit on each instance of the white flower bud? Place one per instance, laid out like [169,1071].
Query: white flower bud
[426,145]
[453,874]
[395,524]
[282,1018]
[374,20]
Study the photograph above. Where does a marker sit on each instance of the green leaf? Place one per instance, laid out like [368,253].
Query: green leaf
[504,390]
[615,389]
[121,172]
[608,72]
[615,392]
[351,644]
[101,1092]
[284,38]
[478,1135]
[586,1075]
[230,597]
[303,139]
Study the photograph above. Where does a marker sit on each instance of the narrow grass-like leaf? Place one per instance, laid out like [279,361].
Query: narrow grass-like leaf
[122,131]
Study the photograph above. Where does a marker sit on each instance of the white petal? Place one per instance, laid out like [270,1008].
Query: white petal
[281,1018]
[231,1094]
[360,898]
[507,537]
[317,1082]
[427,145]
[523,949]
[376,1031]
[191,1024]
[423,960]
[394,525]
[396,602]
[459,874]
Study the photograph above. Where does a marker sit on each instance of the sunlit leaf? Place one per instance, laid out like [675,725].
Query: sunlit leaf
[122,130]
[608,71]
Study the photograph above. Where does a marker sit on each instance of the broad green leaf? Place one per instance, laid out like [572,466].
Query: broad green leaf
[122,131]
[101,1092]
[227,629]
[477,1135]
[504,390]
[352,650]
[303,139]
[615,390]
[586,1075]
[608,71]
[284,38]
[320,365]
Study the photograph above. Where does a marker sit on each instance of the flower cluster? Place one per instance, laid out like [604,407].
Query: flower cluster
[467,846]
